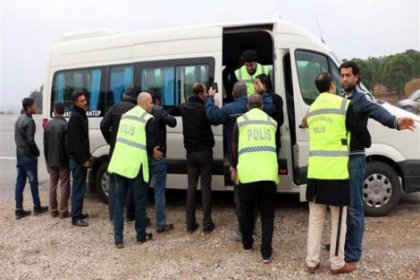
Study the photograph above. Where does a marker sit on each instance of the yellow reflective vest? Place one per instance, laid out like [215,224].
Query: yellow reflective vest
[257,157]
[130,152]
[243,75]
[329,140]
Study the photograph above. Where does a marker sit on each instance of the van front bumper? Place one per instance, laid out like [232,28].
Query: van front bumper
[411,175]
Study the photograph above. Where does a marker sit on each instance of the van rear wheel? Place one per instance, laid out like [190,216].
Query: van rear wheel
[381,189]
[102,182]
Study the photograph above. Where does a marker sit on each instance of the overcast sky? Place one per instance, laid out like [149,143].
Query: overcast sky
[357,28]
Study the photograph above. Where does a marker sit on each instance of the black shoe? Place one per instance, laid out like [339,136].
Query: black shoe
[20,213]
[40,209]
[191,230]
[209,228]
[84,216]
[119,245]
[147,237]
[80,223]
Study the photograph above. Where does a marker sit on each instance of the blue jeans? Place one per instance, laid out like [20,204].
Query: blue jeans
[78,189]
[158,170]
[139,187]
[27,167]
[355,214]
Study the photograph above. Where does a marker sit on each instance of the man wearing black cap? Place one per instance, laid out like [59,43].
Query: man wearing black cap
[250,70]
[109,129]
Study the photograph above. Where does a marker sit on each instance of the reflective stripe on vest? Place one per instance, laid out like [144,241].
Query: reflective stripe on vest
[130,152]
[257,145]
[328,138]
[243,75]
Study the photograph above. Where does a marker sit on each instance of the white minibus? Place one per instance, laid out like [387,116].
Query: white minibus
[103,63]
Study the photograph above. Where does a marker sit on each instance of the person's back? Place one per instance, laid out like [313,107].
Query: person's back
[24,136]
[162,119]
[55,142]
[196,127]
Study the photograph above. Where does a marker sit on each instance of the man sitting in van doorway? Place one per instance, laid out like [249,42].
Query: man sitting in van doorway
[227,116]
[250,70]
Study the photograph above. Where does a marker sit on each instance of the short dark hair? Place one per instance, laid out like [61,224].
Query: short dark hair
[59,108]
[27,102]
[155,93]
[75,95]
[250,56]
[198,88]
[354,68]
[323,82]
[265,79]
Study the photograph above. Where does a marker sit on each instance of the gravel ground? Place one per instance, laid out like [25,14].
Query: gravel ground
[41,247]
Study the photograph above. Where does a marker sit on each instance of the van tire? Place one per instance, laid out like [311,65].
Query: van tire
[381,189]
[102,182]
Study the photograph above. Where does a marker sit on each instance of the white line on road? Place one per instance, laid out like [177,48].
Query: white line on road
[8,158]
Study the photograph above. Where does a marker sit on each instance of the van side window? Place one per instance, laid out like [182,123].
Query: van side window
[174,82]
[309,65]
[121,78]
[87,80]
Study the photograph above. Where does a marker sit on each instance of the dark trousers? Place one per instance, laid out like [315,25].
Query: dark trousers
[27,168]
[139,189]
[78,189]
[199,165]
[129,202]
[263,194]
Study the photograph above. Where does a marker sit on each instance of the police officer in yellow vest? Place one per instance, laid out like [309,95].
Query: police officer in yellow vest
[250,70]
[254,168]
[331,122]
[130,166]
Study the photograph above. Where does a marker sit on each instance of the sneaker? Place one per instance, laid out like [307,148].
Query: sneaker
[119,245]
[54,214]
[147,237]
[347,268]
[20,213]
[40,210]
[268,259]
[166,228]
[80,223]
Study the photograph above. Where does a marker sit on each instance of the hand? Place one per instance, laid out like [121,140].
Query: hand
[406,123]
[86,164]
[156,153]
[304,123]
[233,174]
[217,100]
[211,91]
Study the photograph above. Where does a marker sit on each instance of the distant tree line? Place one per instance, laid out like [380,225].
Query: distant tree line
[36,95]
[393,71]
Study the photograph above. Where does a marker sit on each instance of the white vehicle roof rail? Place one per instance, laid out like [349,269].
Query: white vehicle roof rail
[86,34]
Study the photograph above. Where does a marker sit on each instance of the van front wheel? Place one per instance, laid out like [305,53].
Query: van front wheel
[381,189]
[102,182]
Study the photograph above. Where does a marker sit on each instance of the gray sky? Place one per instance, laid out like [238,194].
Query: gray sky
[357,28]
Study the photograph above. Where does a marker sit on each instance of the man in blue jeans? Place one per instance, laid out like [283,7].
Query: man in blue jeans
[27,154]
[79,155]
[158,162]
[366,107]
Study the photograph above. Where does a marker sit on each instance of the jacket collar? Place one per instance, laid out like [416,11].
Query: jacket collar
[195,98]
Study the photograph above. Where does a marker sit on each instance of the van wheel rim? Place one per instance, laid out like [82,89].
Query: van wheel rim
[377,190]
[105,184]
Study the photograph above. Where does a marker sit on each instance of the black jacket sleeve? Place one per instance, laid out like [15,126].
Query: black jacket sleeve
[46,144]
[356,127]
[235,140]
[150,137]
[30,132]
[168,119]
[106,125]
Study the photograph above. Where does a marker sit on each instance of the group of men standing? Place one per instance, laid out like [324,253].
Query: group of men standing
[136,132]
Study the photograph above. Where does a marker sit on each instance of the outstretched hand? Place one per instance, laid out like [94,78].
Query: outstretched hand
[406,123]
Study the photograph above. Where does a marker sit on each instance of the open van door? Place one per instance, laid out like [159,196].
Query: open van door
[305,65]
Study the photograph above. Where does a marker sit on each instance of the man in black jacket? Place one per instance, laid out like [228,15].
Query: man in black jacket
[27,154]
[109,128]
[158,161]
[199,142]
[79,154]
[57,161]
